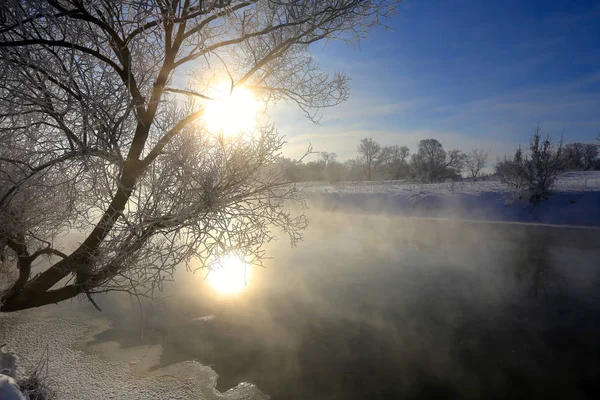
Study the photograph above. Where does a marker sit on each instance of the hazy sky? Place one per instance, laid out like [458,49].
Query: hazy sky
[472,73]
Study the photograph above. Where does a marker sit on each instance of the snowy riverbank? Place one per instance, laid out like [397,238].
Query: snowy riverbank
[575,200]
[77,371]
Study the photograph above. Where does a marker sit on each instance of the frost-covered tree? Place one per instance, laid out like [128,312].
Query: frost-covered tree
[475,161]
[327,157]
[432,162]
[573,156]
[333,171]
[102,133]
[590,156]
[580,156]
[369,151]
[354,169]
[395,159]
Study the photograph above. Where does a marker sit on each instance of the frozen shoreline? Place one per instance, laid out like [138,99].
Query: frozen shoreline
[575,200]
[106,372]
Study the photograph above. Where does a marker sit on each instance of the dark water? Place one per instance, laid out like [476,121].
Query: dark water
[359,311]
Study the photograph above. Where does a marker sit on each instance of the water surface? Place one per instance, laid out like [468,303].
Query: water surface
[380,307]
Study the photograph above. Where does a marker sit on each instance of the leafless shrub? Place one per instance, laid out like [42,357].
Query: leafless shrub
[37,384]
[534,174]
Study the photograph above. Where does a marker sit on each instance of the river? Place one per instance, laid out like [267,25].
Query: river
[383,307]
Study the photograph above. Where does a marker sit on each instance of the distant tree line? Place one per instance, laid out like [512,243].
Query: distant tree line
[375,162]
[432,163]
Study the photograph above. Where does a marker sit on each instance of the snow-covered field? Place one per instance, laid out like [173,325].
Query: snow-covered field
[80,372]
[575,200]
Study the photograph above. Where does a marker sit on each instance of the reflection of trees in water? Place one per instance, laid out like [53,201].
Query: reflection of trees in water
[533,265]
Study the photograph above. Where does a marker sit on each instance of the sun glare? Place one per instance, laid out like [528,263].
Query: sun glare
[233,112]
[229,275]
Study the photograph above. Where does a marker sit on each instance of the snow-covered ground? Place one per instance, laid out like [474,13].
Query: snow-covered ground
[575,200]
[80,372]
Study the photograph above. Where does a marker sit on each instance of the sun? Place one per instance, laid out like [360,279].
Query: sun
[233,112]
[229,275]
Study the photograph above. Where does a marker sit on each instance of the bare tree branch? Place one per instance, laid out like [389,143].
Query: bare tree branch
[95,135]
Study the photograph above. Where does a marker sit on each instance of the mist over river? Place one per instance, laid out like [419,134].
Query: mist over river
[384,307]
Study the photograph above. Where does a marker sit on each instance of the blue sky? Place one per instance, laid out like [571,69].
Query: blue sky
[472,73]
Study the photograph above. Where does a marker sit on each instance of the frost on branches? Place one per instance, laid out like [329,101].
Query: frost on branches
[101,133]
